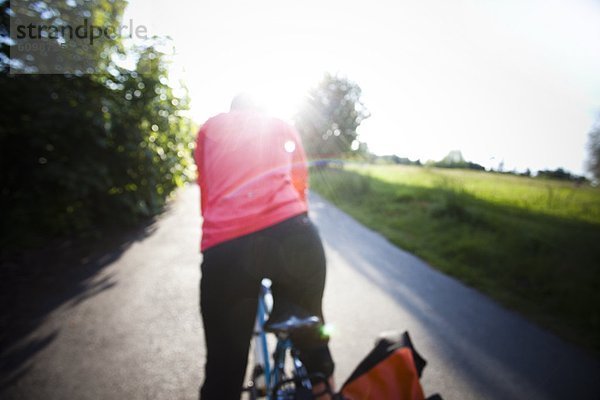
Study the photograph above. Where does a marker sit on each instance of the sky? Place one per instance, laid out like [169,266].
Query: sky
[514,82]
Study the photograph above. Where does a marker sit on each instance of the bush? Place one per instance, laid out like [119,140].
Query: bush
[82,152]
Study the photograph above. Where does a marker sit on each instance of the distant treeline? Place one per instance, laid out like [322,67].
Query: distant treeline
[455,160]
[560,173]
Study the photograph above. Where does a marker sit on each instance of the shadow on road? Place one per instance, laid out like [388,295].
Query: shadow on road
[493,349]
[35,283]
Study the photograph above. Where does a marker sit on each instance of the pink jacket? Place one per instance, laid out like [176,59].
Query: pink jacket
[252,174]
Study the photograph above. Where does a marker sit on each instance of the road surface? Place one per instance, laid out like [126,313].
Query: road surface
[125,325]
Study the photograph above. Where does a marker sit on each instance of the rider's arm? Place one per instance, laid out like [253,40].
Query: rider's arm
[299,167]
[199,158]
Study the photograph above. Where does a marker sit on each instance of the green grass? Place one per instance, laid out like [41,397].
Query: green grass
[532,244]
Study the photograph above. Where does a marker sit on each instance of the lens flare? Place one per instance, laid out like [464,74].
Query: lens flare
[327,331]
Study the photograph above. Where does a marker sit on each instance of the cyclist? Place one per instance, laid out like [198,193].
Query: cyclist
[253,180]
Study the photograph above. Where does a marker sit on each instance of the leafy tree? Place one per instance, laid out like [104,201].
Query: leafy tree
[79,152]
[455,159]
[61,22]
[594,151]
[526,173]
[329,117]
[561,174]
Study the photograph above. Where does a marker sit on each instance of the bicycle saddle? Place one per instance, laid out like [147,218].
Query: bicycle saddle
[288,324]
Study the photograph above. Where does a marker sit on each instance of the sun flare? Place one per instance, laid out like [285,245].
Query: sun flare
[277,98]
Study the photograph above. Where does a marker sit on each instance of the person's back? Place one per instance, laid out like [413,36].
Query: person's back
[247,176]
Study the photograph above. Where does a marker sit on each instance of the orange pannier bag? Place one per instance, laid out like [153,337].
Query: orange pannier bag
[390,372]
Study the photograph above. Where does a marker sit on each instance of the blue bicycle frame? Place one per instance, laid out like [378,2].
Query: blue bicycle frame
[261,318]
[276,380]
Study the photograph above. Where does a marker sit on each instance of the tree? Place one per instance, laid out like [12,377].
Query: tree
[329,117]
[455,159]
[561,174]
[82,151]
[594,151]
[56,37]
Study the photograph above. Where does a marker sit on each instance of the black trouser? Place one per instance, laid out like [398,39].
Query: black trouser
[291,255]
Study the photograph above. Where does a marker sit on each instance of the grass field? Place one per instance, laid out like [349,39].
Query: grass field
[532,244]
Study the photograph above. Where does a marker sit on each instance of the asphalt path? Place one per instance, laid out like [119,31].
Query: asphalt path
[125,324]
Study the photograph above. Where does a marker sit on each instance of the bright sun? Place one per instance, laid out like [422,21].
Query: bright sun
[278,100]
[279,92]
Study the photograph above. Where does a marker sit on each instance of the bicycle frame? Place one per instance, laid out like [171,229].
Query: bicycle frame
[276,379]
[300,380]
[261,349]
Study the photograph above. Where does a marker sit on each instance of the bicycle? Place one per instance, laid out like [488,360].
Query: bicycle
[275,379]
[285,378]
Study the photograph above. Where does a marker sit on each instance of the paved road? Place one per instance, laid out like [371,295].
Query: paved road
[126,324]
